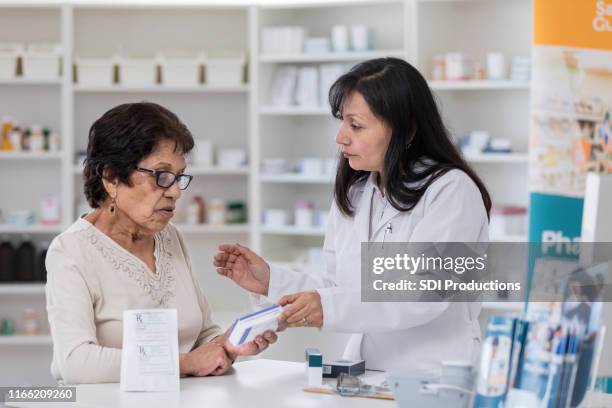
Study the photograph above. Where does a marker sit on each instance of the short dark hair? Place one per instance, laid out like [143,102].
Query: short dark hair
[420,149]
[122,137]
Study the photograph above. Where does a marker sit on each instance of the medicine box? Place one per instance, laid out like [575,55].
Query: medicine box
[335,368]
[41,61]
[248,327]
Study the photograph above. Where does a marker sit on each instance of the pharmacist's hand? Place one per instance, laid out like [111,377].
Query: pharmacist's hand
[244,267]
[252,348]
[302,309]
[208,359]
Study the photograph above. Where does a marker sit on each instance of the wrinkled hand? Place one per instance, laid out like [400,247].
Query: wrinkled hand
[252,348]
[301,309]
[247,269]
[208,359]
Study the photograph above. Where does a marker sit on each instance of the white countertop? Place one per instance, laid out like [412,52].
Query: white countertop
[255,383]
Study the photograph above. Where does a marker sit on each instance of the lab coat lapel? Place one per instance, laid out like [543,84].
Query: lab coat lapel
[362,214]
[390,213]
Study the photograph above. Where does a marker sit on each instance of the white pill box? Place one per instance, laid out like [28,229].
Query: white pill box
[248,327]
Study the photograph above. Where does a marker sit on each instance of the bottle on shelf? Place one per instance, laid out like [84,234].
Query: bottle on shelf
[16,139]
[196,211]
[7,126]
[7,260]
[37,139]
[7,327]
[30,322]
[26,257]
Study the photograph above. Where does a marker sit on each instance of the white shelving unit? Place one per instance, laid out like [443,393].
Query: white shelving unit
[242,116]
[295,178]
[478,85]
[23,340]
[22,288]
[329,57]
[161,89]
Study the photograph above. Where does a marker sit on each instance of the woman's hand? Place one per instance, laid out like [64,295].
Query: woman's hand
[247,269]
[259,344]
[302,309]
[208,359]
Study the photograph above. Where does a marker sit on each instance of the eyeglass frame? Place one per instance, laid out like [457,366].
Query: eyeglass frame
[158,173]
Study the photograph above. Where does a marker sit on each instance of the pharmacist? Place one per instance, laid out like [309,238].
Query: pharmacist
[400,179]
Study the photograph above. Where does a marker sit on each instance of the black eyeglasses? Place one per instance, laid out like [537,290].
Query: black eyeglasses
[165,179]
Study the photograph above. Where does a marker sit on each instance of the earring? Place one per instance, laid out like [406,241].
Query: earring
[112,208]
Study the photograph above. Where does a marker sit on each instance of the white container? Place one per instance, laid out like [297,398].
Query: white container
[203,153]
[328,74]
[274,166]
[340,38]
[180,69]
[20,217]
[304,214]
[320,45]
[295,40]
[496,66]
[225,69]
[310,167]
[217,212]
[457,67]
[307,91]
[274,217]
[41,61]
[49,210]
[9,52]
[95,71]
[360,37]
[329,167]
[282,91]
[282,39]
[231,158]
[138,71]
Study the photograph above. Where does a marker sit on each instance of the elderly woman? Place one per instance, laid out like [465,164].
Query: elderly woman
[125,254]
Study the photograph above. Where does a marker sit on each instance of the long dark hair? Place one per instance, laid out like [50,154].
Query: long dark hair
[420,149]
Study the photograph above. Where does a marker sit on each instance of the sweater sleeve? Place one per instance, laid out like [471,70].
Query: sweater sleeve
[70,296]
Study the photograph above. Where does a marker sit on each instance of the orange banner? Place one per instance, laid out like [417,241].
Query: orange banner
[573,23]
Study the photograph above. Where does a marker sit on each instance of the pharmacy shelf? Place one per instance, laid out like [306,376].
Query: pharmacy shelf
[31,229]
[23,340]
[213,229]
[4,155]
[567,115]
[294,111]
[521,158]
[197,171]
[22,288]
[295,179]
[161,89]
[503,306]
[330,56]
[292,230]
[214,171]
[27,81]
[485,85]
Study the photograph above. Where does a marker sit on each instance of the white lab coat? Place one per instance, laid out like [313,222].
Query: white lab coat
[395,334]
